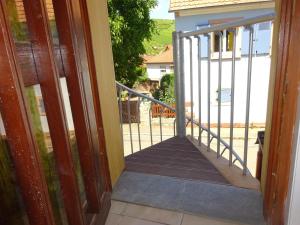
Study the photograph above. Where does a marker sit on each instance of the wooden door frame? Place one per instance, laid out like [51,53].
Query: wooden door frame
[77,42]
[287,81]
[96,95]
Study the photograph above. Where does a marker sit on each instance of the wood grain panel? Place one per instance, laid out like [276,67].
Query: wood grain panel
[19,132]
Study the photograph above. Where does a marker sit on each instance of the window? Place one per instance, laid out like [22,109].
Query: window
[225,96]
[216,42]
[163,69]
[227,39]
[227,42]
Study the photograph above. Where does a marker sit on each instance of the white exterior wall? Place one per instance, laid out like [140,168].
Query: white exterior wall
[154,73]
[259,87]
[260,70]
[189,23]
[293,205]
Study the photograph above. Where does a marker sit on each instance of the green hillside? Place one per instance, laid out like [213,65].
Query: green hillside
[161,38]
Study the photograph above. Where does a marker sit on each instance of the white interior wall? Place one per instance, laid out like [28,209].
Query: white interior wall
[293,206]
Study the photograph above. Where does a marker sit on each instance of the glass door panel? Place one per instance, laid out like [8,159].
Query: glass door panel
[60,95]
[44,142]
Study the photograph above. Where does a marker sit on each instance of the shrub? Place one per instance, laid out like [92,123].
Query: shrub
[166,91]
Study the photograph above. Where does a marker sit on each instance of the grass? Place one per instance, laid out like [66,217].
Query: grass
[161,37]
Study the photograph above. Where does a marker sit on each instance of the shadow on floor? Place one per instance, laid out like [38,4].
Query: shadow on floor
[190,196]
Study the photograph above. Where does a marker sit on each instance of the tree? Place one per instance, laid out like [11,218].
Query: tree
[130,25]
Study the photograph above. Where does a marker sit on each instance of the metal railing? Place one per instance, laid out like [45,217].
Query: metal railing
[130,94]
[180,40]
[125,110]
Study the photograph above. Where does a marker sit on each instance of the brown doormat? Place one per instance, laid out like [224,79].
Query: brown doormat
[175,157]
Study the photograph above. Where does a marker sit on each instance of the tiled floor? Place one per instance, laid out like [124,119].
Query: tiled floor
[129,214]
[190,196]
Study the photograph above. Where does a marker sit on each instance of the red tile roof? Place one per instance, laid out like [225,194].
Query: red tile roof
[165,57]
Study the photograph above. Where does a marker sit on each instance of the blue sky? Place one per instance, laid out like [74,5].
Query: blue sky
[161,10]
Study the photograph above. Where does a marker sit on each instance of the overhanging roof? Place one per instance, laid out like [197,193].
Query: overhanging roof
[177,5]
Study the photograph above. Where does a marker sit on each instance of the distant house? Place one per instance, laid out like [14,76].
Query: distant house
[192,15]
[159,65]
